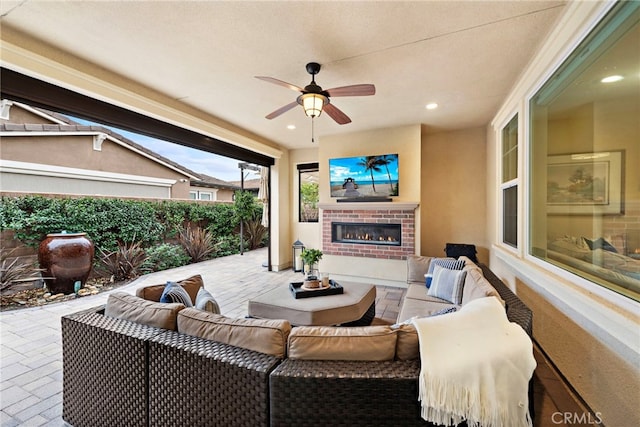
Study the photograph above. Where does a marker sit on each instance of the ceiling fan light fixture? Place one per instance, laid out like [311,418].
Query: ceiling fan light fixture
[312,103]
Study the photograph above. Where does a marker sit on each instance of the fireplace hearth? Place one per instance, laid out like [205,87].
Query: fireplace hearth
[366,233]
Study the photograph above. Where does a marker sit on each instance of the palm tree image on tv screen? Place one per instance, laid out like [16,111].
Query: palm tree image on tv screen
[366,176]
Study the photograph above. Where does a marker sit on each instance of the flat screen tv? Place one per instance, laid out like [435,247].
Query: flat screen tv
[365,176]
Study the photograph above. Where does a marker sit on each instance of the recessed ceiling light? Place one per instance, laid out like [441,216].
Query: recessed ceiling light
[612,79]
[291,127]
[431,106]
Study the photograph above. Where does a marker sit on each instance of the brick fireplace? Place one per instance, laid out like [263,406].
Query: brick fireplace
[383,230]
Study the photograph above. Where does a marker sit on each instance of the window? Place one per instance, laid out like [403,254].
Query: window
[201,195]
[308,192]
[509,183]
[584,199]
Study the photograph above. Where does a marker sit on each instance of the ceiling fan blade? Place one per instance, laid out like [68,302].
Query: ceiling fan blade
[281,110]
[336,114]
[280,83]
[353,90]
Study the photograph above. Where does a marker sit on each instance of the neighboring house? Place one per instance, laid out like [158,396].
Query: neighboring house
[45,152]
[252,185]
[210,188]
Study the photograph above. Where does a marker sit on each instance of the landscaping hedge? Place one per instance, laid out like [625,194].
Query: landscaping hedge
[108,222]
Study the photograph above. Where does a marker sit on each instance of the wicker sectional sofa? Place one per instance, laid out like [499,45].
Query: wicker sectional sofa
[120,372]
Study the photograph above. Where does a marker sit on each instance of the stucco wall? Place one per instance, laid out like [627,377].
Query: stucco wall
[453,192]
[77,152]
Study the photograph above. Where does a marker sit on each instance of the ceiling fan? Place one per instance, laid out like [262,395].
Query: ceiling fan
[315,100]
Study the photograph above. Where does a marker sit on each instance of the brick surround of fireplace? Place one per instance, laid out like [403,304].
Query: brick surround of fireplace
[374,213]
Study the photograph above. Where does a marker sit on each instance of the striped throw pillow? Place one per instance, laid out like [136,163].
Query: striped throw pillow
[173,292]
[205,301]
[447,284]
[450,263]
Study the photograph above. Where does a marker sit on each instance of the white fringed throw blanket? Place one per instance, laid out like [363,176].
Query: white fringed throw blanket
[476,366]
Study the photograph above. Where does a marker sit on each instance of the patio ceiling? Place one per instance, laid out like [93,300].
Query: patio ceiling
[465,56]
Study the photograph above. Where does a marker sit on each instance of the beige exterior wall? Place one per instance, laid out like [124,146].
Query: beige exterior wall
[77,152]
[591,334]
[453,195]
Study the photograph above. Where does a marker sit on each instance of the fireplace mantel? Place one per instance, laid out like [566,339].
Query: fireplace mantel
[369,206]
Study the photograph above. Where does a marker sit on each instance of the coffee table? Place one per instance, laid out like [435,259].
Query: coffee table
[355,306]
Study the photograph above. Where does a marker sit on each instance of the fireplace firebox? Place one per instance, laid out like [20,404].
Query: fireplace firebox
[368,234]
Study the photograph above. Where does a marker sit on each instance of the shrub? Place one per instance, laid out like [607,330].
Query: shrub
[255,233]
[124,263]
[107,222]
[165,256]
[197,243]
[15,270]
[227,245]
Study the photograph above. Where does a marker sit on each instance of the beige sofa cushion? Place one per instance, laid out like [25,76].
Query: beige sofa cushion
[416,307]
[476,286]
[417,267]
[130,307]
[373,343]
[262,335]
[407,345]
[420,292]
[153,292]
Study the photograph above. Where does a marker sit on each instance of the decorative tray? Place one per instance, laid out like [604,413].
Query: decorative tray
[298,291]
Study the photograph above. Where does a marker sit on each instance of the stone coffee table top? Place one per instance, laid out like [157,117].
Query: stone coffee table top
[327,310]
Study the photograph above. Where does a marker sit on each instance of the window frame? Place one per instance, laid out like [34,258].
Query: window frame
[511,183]
[604,292]
[305,168]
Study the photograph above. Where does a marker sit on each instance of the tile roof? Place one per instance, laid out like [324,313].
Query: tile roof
[210,181]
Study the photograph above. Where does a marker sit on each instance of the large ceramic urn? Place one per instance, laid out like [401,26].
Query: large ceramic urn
[66,259]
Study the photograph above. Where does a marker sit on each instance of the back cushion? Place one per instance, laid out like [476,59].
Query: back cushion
[342,343]
[154,292]
[417,267]
[477,286]
[262,335]
[134,309]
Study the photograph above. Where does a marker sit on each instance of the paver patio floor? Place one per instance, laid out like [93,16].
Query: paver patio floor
[31,343]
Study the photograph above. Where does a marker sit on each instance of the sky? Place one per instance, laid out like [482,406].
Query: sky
[198,161]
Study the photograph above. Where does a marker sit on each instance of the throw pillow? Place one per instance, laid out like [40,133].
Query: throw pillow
[447,284]
[173,292]
[206,302]
[600,243]
[444,311]
[449,263]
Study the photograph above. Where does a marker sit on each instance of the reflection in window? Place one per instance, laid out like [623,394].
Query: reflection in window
[585,158]
[308,192]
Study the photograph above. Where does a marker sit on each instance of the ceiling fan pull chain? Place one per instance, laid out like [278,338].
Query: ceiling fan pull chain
[313,137]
